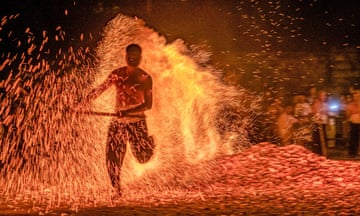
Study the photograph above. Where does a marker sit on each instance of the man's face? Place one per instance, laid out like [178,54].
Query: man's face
[323,96]
[133,59]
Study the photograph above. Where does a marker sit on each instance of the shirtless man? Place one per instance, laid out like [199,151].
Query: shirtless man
[133,97]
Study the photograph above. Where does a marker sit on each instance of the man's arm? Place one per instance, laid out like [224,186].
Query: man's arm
[96,92]
[349,110]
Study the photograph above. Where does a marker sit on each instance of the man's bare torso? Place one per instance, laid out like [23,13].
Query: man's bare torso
[130,87]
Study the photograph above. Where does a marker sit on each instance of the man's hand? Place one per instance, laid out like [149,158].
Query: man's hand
[122,113]
[79,107]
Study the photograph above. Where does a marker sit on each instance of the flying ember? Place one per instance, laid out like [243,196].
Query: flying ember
[54,156]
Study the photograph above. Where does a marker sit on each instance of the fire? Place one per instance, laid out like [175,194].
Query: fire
[54,152]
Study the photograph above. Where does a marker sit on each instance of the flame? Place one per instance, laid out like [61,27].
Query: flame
[188,98]
[63,153]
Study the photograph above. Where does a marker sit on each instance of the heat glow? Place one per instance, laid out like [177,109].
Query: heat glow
[55,157]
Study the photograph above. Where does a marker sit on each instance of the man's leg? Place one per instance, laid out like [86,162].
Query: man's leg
[142,145]
[316,139]
[354,139]
[115,153]
[357,136]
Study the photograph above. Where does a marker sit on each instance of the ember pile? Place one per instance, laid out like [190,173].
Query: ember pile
[289,179]
[264,179]
[269,165]
[267,179]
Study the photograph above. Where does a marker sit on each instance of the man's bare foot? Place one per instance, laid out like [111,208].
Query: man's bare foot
[116,197]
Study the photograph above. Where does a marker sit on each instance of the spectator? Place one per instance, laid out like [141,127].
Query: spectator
[269,125]
[285,125]
[346,123]
[312,95]
[320,118]
[302,111]
[353,113]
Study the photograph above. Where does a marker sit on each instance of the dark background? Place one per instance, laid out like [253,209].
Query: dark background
[220,23]
[227,27]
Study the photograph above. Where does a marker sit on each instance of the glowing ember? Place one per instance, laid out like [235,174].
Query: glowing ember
[55,157]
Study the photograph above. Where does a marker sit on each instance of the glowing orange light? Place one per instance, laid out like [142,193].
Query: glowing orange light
[62,155]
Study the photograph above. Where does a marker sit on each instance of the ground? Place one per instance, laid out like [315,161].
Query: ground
[263,180]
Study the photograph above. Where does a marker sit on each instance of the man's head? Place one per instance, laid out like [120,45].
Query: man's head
[133,55]
[356,93]
[322,95]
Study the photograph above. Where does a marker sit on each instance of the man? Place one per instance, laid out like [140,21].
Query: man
[320,114]
[133,97]
[285,125]
[353,114]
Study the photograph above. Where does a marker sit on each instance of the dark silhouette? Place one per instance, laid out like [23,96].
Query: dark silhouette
[133,97]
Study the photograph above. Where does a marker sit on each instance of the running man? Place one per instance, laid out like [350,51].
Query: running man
[133,97]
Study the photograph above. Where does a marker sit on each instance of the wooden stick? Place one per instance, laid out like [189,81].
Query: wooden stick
[107,114]
[97,113]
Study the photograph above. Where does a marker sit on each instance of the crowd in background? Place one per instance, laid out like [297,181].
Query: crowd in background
[309,118]
[314,119]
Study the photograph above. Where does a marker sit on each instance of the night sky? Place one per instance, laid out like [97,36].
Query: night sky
[225,25]
[227,28]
